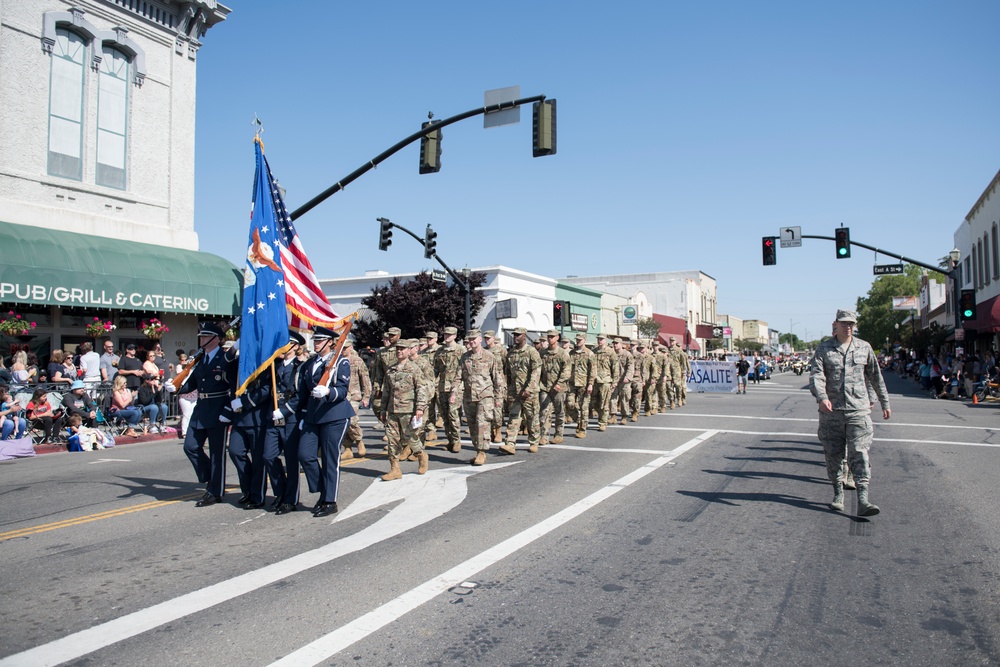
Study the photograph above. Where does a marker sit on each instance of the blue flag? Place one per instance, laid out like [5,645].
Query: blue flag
[264,328]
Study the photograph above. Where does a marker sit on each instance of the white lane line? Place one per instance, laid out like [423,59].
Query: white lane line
[814,421]
[329,645]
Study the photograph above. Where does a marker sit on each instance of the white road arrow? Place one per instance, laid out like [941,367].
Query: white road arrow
[424,497]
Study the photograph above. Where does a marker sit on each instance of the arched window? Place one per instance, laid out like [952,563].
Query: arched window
[112,119]
[66,105]
[986,258]
[979,265]
[996,254]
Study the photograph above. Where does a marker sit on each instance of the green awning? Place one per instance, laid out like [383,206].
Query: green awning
[53,268]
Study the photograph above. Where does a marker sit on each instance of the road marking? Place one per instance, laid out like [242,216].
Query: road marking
[90,463]
[329,645]
[814,421]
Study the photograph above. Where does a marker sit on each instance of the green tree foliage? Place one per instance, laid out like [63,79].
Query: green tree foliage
[416,306]
[876,318]
[743,345]
[792,340]
[648,327]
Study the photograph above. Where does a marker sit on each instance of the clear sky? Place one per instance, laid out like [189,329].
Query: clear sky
[686,132]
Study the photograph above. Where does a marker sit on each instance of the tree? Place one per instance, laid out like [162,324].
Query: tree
[876,319]
[792,340]
[648,327]
[743,345]
[416,306]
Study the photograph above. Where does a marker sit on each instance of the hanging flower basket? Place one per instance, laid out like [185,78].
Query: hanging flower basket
[153,329]
[99,328]
[15,325]
[232,334]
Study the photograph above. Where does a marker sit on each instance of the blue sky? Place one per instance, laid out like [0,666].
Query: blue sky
[686,132]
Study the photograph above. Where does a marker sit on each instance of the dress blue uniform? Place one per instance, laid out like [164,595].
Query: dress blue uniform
[211,377]
[246,439]
[323,421]
[284,439]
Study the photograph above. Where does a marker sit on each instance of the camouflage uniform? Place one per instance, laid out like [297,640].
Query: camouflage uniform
[359,392]
[477,384]
[404,392]
[580,380]
[652,370]
[664,383]
[638,379]
[497,349]
[385,358]
[605,377]
[556,368]
[622,393]
[524,367]
[681,368]
[426,366]
[446,370]
[432,408]
[841,373]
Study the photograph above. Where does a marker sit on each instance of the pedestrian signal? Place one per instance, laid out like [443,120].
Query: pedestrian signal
[769,250]
[967,304]
[842,238]
[430,150]
[385,234]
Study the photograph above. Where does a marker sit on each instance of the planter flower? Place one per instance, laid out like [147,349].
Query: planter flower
[154,328]
[15,325]
[99,328]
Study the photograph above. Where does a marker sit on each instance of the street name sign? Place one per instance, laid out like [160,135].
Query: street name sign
[885,269]
[439,275]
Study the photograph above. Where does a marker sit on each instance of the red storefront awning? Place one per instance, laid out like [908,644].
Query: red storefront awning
[988,317]
[676,327]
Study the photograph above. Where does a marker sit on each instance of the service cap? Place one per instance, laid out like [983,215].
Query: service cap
[296,338]
[322,333]
[210,329]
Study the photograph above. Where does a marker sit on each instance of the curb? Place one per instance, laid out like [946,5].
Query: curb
[171,434]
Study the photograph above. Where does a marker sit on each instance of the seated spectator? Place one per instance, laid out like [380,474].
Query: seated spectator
[150,399]
[40,410]
[33,368]
[123,406]
[19,369]
[88,438]
[5,376]
[57,371]
[77,401]
[10,412]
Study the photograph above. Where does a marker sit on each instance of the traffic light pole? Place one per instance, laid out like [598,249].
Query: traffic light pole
[392,150]
[463,285]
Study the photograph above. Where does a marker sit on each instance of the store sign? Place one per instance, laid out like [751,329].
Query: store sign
[578,321]
[61,295]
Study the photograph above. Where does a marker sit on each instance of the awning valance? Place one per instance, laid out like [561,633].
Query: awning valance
[46,267]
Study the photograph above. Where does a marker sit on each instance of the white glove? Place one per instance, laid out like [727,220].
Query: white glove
[169,387]
[224,419]
[236,404]
[277,415]
[302,425]
[236,345]
[322,391]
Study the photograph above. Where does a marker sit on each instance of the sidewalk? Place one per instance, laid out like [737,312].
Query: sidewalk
[171,434]
[898,386]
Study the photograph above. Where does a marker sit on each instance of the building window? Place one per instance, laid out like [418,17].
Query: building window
[66,106]
[968,269]
[112,119]
[986,259]
[979,265]
[996,254]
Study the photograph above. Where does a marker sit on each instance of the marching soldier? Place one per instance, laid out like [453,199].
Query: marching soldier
[324,414]
[281,435]
[681,370]
[426,366]
[524,366]
[553,382]
[385,357]
[477,384]
[664,381]
[430,421]
[638,378]
[581,382]
[496,348]
[605,377]
[622,392]
[358,394]
[446,370]
[211,378]
[249,414]
[404,399]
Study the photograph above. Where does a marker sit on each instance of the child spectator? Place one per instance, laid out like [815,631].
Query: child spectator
[40,410]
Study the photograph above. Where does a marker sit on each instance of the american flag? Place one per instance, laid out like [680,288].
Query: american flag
[307,305]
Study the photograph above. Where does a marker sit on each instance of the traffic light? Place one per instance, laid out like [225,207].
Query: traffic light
[430,150]
[430,242]
[543,128]
[385,234]
[560,313]
[967,304]
[842,237]
[769,250]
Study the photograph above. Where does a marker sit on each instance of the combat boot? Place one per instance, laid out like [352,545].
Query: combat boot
[422,463]
[405,454]
[581,434]
[533,449]
[838,497]
[347,453]
[508,449]
[480,459]
[649,413]
[635,416]
[865,508]
[557,440]
[849,481]
[361,448]
[394,471]
[454,447]
[602,427]
[544,440]
[497,435]
[432,436]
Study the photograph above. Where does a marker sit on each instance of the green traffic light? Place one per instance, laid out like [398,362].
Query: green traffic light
[967,313]
[842,251]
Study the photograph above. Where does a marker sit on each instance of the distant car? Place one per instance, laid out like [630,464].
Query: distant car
[765,371]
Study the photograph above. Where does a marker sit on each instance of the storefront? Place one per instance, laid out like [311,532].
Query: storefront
[63,282]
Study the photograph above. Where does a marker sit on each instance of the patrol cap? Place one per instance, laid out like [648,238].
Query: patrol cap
[473,334]
[296,338]
[640,344]
[403,344]
[322,333]
[489,334]
[581,336]
[673,340]
[393,331]
[450,331]
[847,316]
[602,335]
[520,331]
[210,329]
[552,332]
[431,334]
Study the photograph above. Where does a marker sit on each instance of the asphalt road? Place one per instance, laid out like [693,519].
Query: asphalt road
[698,537]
